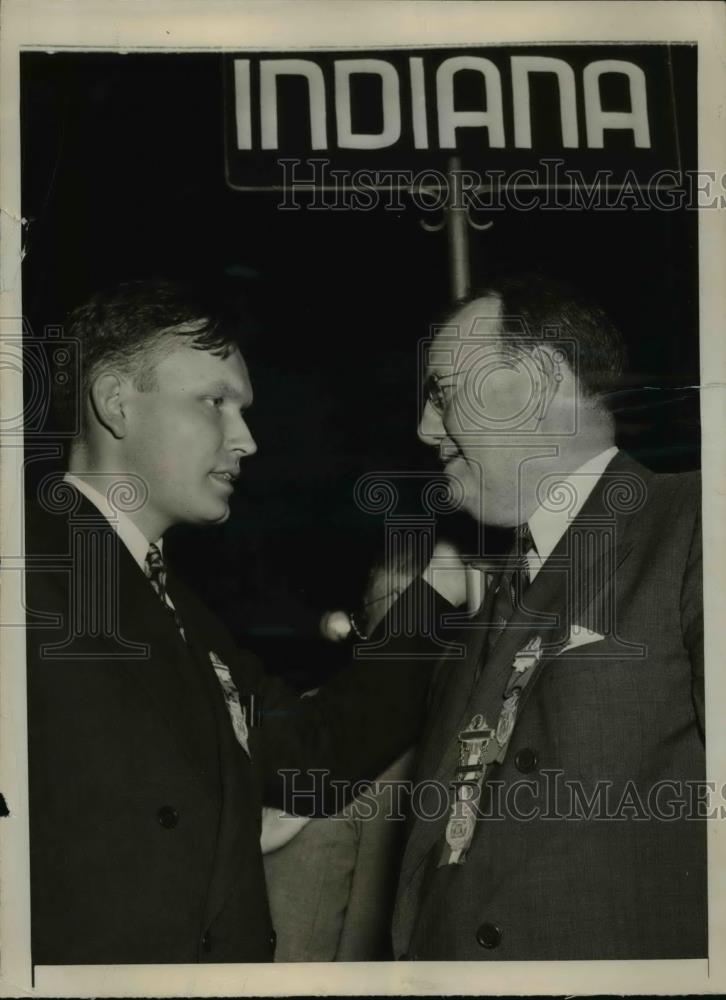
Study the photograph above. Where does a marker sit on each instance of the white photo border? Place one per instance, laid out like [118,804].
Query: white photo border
[235,25]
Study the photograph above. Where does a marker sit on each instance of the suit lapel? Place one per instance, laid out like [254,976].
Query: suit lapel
[544,603]
[237,799]
[169,677]
[172,676]
[209,721]
[542,614]
[123,624]
[207,731]
[453,697]
[580,570]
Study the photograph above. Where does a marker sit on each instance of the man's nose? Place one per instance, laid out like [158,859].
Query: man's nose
[240,438]
[431,428]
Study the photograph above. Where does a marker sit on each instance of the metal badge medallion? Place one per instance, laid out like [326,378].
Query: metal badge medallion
[528,656]
[473,743]
[507,718]
[460,829]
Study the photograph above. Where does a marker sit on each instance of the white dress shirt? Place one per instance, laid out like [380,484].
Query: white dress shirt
[132,537]
[547,526]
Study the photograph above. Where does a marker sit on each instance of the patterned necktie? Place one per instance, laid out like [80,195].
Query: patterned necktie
[513,585]
[155,569]
[481,745]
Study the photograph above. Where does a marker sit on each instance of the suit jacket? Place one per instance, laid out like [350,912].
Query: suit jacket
[545,878]
[144,807]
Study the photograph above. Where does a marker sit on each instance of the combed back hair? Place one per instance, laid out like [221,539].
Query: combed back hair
[536,309]
[128,326]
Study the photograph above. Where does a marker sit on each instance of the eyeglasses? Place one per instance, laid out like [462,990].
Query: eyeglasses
[433,389]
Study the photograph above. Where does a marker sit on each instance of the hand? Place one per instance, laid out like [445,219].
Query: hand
[279,828]
[447,574]
[385,584]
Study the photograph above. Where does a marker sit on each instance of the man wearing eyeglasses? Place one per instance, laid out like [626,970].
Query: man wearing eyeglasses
[570,737]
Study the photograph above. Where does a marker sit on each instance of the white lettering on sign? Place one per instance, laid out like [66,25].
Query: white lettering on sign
[418,103]
[390,100]
[598,120]
[522,66]
[450,119]
[270,69]
[242,104]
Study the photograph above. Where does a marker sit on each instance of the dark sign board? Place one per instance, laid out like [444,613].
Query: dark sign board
[398,114]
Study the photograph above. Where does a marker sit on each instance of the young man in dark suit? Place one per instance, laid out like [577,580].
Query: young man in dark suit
[572,732]
[148,767]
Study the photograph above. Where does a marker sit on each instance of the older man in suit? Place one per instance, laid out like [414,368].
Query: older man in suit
[148,767]
[562,757]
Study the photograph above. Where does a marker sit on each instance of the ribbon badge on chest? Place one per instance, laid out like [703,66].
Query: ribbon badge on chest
[528,656]
[237,712]
[474,742]
[522,667]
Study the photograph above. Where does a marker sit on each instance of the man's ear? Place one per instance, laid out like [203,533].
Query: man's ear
[107,400]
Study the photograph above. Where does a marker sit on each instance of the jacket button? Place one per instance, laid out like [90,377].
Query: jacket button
[168,817]
[273,937]
[488,935]
[206,941]
[526,760]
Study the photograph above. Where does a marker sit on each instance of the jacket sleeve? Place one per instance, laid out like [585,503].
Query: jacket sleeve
[315,750]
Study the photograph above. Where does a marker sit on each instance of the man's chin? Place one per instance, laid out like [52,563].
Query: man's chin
[472,505]
[216,514]
[465,493]
[224,516]
[485,511]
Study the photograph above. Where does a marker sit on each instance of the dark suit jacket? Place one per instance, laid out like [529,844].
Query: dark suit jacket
[144,809]
[626,711]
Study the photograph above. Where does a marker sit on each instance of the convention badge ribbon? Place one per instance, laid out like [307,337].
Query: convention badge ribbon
[479,746]
[523,664]
[237,711]
[474,745]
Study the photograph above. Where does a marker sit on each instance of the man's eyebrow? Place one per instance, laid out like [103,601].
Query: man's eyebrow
[229,391]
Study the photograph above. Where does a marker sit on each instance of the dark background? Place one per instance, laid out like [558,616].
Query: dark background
[123,176]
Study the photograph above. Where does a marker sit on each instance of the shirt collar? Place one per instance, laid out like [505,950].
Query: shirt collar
[548,526]
[132,537]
